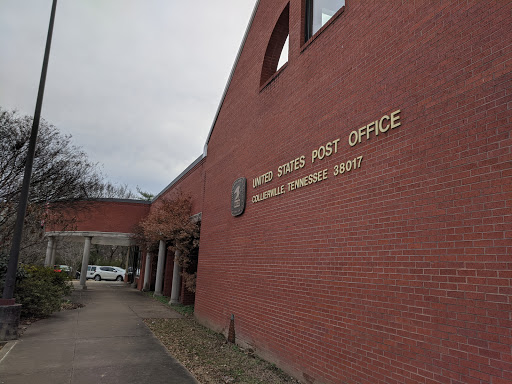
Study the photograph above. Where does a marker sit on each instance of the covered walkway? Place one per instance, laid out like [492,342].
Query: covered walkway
[99,221]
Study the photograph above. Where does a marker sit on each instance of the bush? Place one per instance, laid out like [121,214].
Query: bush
[20,272]
[41,292]
[38,289]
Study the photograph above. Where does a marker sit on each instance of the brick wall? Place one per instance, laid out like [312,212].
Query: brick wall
[190,184]
[107,215]
[186,297]
[398,271]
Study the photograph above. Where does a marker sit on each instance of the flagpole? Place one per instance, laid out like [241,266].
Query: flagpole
[10,279]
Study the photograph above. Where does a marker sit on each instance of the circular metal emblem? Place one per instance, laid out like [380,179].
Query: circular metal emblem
[238,196]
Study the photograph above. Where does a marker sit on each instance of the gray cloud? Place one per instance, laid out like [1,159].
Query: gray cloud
[136,82]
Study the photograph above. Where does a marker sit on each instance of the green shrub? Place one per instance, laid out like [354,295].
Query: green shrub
[41,292]
[20,272]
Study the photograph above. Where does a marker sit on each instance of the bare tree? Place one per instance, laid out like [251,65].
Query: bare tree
[61,173]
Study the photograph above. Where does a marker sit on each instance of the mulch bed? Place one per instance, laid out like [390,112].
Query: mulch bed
[210,358]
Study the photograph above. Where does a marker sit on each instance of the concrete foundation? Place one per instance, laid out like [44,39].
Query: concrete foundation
[9,321]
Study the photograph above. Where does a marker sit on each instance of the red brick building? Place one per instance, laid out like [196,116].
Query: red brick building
[375,244]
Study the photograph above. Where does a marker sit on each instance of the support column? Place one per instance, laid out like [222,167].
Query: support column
[85,262]
[147,273]
[49,250]
[135,265]
[160,268]
[176,280]
[127,264]
[125,277]
[54,251]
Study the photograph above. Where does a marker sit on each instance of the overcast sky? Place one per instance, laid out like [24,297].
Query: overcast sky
[136,82]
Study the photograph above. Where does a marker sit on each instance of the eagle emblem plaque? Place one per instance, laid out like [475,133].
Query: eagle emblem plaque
[238,196]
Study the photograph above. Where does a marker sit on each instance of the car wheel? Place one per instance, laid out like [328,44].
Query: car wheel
[97,278]
[119,278]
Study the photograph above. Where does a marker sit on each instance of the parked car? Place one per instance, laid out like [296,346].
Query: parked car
[91,270]
[99,272]
[63,268]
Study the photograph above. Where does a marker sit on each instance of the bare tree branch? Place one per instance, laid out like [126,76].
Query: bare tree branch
[61,172]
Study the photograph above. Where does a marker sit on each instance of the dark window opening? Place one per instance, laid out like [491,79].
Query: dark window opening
[318,13]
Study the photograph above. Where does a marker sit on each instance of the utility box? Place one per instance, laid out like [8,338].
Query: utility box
[9,321]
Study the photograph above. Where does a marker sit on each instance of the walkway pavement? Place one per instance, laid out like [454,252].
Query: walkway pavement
[104,342]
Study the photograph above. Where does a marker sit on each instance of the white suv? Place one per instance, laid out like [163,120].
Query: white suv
[99,273]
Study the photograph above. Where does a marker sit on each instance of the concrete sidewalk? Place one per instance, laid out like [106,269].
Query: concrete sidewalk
[104,342]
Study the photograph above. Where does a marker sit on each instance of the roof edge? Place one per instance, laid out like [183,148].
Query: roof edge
[194,163]
[103,199]
[242,44]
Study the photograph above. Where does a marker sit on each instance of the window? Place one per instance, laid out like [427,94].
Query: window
[283,59]
[276,54]
[318,13]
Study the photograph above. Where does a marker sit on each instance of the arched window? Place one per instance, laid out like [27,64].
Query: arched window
[283,59]
[276,54]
